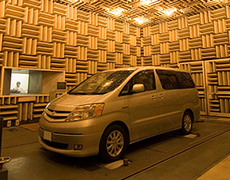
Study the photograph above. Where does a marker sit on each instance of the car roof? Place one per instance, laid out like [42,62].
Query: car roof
[145,68]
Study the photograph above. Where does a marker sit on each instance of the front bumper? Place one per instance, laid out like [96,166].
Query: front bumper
[64,143]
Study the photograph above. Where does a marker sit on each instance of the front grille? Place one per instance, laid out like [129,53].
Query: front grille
[55,144]
[57,114]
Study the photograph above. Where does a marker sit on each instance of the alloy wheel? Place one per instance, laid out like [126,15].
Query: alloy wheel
[115,143]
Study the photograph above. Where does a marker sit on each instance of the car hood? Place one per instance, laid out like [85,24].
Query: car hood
[68,102]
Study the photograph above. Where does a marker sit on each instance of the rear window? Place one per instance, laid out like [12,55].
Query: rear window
[185,80]
[175,79]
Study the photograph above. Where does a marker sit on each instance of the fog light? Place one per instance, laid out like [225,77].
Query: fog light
[78,146]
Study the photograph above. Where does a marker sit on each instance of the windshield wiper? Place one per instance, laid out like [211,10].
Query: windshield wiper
[77,93]
[86,93]
[99,93]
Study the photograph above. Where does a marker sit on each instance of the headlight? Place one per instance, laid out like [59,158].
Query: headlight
[85,112]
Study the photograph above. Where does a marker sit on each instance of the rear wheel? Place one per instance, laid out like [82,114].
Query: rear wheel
[187,123]
[113,143]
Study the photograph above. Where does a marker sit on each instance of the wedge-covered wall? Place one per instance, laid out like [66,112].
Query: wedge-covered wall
[45,35]
[48,36]
[199,44]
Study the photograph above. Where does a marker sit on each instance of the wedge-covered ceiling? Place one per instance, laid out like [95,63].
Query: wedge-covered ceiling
[145,12]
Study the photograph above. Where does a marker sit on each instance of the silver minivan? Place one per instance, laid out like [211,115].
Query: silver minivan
[114,108]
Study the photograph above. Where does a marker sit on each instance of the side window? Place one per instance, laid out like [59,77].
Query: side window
[168,79]
[146,78]
[185,80]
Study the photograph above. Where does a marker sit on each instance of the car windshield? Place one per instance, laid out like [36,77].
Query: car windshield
[101,83]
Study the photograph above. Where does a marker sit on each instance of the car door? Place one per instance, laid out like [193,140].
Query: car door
[143,106]
[170,101]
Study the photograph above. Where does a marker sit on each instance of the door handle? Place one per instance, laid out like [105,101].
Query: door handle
[125,107]
[154,97]
[161,96]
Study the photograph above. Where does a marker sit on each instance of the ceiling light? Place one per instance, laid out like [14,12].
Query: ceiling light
[116,12]
[158,8]
[147,2]
[141,20]
[169,11]
[216,1]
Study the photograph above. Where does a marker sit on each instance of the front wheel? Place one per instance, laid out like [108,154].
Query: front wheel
[113,143]
[187,123]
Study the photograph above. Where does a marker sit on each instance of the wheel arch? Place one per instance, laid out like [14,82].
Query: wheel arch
[120,123]
[191,112]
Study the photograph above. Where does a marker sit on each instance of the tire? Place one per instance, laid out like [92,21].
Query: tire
[187,123]
[113,144]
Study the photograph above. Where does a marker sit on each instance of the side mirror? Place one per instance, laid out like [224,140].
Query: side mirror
[138,88]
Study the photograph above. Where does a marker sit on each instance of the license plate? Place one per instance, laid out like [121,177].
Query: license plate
[47,135]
